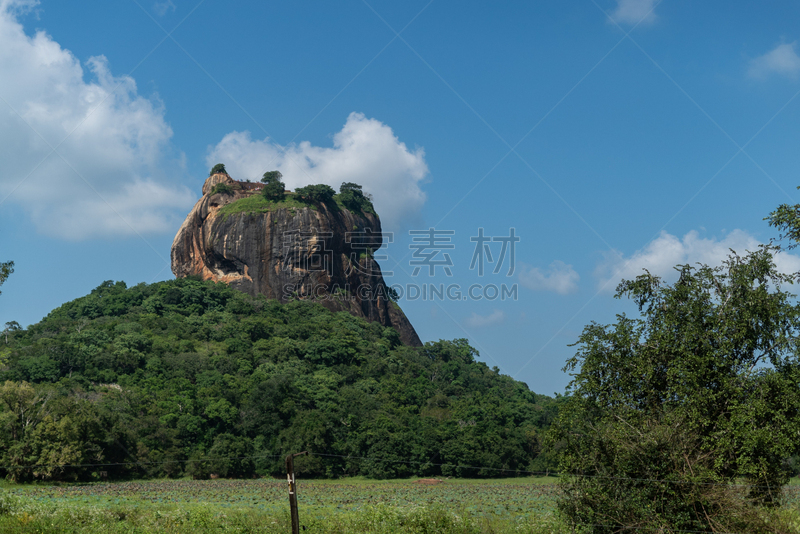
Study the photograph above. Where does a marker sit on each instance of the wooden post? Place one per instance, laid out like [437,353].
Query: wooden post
[293,491]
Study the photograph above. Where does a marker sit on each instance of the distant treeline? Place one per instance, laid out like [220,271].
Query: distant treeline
[194,378]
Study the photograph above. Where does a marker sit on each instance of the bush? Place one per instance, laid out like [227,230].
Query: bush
[354,199]
[219,168]
[199,466]
[229,457]
[392,294]
[320,193]
[223,189]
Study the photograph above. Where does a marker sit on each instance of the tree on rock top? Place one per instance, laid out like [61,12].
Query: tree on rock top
[274,188]
[353,198]
[316,193]
[219,168]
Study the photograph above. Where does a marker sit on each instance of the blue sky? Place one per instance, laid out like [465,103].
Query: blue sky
[612,135]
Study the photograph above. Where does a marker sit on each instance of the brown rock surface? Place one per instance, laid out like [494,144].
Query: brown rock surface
[289,253]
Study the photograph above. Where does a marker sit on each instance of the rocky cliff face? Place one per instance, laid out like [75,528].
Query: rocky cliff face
[317,254]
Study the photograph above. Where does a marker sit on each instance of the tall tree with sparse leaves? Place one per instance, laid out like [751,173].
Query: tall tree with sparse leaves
[6,269]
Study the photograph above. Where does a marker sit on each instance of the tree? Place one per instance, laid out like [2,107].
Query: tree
[274,188]
[219,168]
[391,294]
[353,198]
[11,326]
[6,269]
[669,409]
[319,193]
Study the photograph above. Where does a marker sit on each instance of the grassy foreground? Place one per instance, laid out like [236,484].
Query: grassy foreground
[523,505]
[357,506]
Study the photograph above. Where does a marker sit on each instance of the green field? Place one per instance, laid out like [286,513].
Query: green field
[354,505]
[261,505]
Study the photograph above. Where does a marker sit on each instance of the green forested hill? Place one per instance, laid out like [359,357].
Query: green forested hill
[193,378]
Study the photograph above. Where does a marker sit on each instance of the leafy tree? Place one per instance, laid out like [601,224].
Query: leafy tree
[272,175]
[6,269]
[274,188]
[669,409]
[219,168]
[319,193]
[353,198]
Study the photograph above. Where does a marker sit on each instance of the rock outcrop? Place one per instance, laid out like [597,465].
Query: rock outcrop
[320,253]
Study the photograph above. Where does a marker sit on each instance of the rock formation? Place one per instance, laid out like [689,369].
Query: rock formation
[321,253]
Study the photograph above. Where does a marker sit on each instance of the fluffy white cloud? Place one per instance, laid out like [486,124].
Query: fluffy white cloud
[666,251]
[634,11]
[365,151]
[479,321]
[119,145]
[782,60]
[559,277]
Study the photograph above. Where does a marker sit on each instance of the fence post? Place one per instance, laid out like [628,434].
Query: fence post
[293,490]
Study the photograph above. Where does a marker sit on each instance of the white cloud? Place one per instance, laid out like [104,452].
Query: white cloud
[634,11]
[161,8]
[365,151]
[559,277]
[666,251]
[781,60]
[120,146]
[479,321]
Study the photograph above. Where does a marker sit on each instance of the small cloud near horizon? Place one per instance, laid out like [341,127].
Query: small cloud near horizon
[662,254]
[480,321]
[161,8]
[558,277]
[634,12]
[782,60]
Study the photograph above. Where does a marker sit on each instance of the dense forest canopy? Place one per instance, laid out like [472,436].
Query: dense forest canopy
[187,377]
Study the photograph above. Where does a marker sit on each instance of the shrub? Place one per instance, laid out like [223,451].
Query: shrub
[223,189]
[354,199]
[219,168]
[316,193]
[392,294]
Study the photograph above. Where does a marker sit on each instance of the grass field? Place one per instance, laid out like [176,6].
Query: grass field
[522,505]
[354,505]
